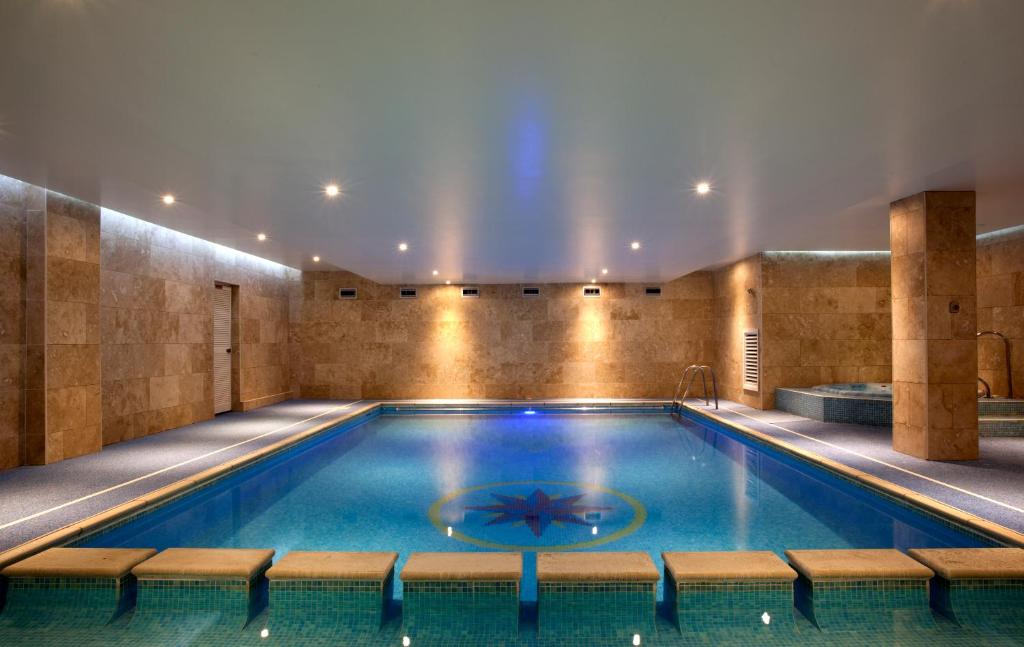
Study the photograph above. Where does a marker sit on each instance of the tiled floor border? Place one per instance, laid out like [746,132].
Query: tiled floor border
[142,504]
[933,507]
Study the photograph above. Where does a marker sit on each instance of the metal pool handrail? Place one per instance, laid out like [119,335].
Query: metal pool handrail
[1006,356]
[692,370]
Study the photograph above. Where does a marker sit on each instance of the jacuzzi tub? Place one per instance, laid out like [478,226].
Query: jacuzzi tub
[858,389]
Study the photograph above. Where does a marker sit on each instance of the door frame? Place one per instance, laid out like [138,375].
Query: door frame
[235,348]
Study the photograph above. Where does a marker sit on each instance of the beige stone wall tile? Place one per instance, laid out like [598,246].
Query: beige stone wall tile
[164,391]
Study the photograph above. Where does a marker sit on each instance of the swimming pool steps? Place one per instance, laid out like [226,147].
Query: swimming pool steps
[472,594]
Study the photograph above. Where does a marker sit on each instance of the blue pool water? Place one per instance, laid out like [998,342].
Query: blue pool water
[547,481]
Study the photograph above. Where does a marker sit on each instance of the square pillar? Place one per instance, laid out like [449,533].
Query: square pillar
[934,321]
[62,268]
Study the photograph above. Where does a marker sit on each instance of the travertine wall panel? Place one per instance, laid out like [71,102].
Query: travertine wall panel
[500,345]
[16,198]
[157,327]
[63,415]
[737,308]
[827,319]
[935,352]
[1001,307]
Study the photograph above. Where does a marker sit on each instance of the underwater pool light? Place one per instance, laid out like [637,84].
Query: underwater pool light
[765,618]
[593,530]
[405,641]
[636,639]
[264,633]
[449,531]
[529,412]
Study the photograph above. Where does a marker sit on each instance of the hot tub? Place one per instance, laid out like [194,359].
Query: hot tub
[858,389]
[861,403]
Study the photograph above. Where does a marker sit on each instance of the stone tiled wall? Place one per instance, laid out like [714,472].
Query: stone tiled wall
[826,319]
[62,351]
[934,348]
[157,327]
[1000,287]
[737,289]
[15,199]
[500,345]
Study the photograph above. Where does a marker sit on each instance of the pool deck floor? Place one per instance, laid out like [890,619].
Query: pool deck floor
[35,500]
[991,487]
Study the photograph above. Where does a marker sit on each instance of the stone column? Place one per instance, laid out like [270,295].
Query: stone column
[63,409]
[934,319]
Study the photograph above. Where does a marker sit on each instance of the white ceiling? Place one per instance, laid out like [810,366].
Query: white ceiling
[510,141]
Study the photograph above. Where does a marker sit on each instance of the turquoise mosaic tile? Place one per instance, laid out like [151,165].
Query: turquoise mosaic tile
[206,629]
[985,603]
[834,408]
[713,606]
[854,605]
[455,611]
[232,600]
[595,609]
[348,605]
[41,601]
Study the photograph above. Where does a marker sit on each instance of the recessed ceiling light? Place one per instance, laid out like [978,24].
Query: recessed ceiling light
[448,282]
[703,188]
[332,190]
[635,244]
[261,236]
[168,198]
[435,272]
[316,259]
[604,270]
[403,247]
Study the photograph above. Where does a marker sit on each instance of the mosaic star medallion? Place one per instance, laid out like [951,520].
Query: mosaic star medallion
[537,515]
[539,510]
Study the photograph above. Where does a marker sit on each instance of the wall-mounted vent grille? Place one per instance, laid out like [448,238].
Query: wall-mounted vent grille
[407,293]
[346,293]
[751,360]
[652,291]
[470,293]
[591,291]
[531,292]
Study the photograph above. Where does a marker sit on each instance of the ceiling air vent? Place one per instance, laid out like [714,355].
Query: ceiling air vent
[470,293]
[407,293]
[591,291]
[652,291]
[346,293]
[751,360]
[531,292]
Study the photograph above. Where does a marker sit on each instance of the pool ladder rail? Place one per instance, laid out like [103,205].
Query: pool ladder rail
[693,370]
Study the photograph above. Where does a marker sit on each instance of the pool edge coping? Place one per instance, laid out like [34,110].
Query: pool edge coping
[934,506]
[109,516]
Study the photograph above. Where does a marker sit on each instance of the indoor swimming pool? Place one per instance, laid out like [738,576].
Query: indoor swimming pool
[533,482]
